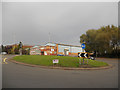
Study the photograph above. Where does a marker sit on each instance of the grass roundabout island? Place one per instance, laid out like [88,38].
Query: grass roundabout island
[64,61]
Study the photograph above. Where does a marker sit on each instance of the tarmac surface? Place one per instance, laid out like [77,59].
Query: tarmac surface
[20,76]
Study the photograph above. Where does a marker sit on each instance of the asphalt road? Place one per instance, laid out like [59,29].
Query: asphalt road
[20,76]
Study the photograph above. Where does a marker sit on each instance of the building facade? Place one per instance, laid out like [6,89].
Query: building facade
[68,49]
[43,50]
[35,50]
[55,49]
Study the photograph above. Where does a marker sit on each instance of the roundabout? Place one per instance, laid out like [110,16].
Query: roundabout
[20,75]
[65,62]
[63,68]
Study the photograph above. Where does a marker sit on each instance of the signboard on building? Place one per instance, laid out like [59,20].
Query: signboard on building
[55,61]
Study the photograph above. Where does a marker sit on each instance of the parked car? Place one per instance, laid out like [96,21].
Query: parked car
[60,55]
[92,56]
[3,53]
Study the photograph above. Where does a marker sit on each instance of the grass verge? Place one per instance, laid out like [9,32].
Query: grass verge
[64,61]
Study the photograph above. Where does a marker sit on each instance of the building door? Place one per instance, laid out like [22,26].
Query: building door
[42,52]
[45,53]
[66,52]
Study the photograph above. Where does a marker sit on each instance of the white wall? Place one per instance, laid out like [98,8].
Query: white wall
[71,49]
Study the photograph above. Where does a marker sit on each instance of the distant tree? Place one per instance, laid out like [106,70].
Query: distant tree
[103,40]
[28,51]
[0,48]
[16,50]
[20,48]
[20,45]
[13,49]
[8,49]
[3,48]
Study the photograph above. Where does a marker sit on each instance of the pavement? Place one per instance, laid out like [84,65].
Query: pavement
[20,76]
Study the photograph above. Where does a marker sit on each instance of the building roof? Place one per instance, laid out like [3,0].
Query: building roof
[50,44]
[27,46]
[64,44]
[35,46]
[24,46]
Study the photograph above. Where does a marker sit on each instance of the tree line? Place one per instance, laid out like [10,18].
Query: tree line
[103,41]
[14,49]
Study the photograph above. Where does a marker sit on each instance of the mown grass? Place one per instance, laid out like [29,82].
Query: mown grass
[64,61]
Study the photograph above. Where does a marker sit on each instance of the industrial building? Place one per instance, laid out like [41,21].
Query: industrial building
[55,49]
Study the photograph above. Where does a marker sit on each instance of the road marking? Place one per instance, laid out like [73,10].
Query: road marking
[4,61]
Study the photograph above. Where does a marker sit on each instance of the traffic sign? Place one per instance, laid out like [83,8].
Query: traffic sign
[83,46]
[55,61]
[83,55]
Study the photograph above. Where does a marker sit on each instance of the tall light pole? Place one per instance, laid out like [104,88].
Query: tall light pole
[49,37]
[14,37]
[49,42]
[13,42]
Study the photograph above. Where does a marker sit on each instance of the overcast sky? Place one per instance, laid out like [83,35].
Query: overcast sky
[31,22]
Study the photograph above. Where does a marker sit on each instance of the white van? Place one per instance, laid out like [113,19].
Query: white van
[3,53]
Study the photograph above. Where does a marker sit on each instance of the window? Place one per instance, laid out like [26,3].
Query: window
[42,48]
[52,49]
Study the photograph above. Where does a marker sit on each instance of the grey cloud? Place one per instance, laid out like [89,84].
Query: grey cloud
[31,22]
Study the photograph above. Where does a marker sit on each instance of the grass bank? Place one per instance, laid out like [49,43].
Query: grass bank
[64,61]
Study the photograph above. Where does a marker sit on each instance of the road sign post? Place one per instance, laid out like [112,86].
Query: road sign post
[83,60]
[83,55]
[87,61]
[55,61]
[79,61]
[83,47]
